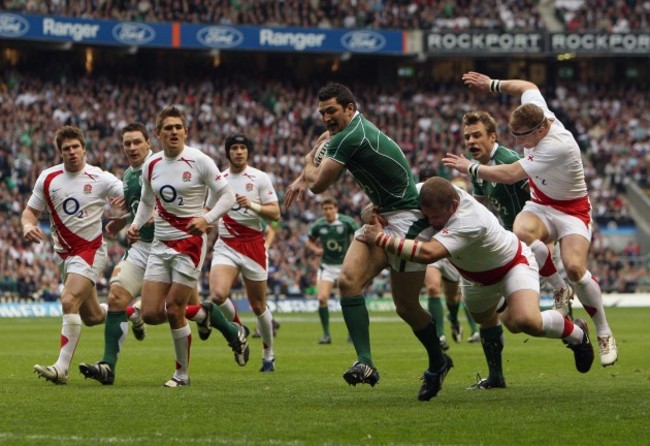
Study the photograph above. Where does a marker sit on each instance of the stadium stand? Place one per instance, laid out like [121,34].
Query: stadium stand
[389,14]
[278,112]
[282,120]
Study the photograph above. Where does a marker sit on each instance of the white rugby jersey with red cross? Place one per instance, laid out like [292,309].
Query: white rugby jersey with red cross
[241,228]
[554,167]
[76,202]
[178,186]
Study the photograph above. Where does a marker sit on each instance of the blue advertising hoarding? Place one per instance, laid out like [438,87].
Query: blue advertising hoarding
[202,36]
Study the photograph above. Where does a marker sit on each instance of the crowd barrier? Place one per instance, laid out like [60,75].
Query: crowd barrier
[308,305]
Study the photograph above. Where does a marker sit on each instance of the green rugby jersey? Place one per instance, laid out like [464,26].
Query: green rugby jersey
[335,237]
[132,188]
[377,164]
[507,199]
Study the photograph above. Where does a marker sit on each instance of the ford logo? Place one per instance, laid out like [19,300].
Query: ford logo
[219,37]
[133,33]
[363,41]
[12,25]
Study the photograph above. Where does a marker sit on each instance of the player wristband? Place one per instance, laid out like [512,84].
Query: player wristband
[472,169]
[495,85]
[255,207]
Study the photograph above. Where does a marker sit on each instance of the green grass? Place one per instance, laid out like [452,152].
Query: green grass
[306,402]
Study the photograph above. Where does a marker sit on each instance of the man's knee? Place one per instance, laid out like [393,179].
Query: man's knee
[575,270]
[349,284]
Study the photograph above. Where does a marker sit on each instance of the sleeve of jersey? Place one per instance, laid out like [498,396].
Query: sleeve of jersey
[267,191]
[546,156]
[115,186]
[220,193]
[37,200]
[457,236]
[146,205]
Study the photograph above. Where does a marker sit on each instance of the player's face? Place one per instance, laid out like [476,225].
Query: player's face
[238,156]
[438,217]
[479,142]
[329,211]
[73,154]
[172,135]
[135,147]
[335,116]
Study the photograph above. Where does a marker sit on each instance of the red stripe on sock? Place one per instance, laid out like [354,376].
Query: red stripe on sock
[549,267]
[64,341]
[129,311]
[568,328]
[590,310]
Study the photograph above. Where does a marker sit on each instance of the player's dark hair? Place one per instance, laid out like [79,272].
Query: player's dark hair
[340,92]
[238,138]
[136,127]
[329,200]
[170,111]
[69,132]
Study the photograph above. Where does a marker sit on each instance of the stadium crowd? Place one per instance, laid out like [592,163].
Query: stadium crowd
[384,14]
[283,121]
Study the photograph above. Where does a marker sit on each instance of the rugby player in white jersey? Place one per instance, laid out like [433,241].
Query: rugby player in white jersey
[75,194]
[492,262]
[175,182]
[241,247]
[559,208]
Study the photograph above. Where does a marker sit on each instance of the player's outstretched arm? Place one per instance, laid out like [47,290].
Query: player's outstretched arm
[484,83]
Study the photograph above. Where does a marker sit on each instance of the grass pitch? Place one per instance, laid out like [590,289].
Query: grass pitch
[306,401]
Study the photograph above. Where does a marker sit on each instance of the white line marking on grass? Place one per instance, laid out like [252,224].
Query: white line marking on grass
[160,439]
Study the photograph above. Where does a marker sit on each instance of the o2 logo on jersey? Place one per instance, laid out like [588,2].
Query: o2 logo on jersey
[169,195]
[334,246]
[71,206]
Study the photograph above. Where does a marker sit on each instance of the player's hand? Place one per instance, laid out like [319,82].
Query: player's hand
[115,225]
[458,162]
[477,81]
[198,226]
[369,211]
[133,234]
[295,191]
[369,231]
[242,200]
[118,202]
[33,233]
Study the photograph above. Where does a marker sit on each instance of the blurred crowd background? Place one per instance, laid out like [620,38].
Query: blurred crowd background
[278,111]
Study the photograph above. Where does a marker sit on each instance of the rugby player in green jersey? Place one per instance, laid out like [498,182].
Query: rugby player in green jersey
[380,168]
[329,237]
